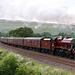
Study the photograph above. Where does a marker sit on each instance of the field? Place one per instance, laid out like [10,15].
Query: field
[25,66]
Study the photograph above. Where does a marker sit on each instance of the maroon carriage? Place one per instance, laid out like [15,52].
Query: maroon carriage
[4,39]
[46,44]
[10,40]
[18,41]
[33,42]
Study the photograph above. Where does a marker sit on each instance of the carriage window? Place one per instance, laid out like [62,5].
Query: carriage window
[36,42]
[25,41]
[32,42]
[19,41]
[10,40]
[28,40]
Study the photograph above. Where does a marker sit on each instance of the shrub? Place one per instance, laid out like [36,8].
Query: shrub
[3,53]
[28,68]
[15,64]
[8,65]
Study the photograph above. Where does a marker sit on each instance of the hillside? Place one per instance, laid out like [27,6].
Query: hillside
[38,27]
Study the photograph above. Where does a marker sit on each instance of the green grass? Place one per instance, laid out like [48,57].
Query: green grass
[15,64]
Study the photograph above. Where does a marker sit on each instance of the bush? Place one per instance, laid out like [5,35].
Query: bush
[15,64]
[3,53]
[8,65]
[28,68]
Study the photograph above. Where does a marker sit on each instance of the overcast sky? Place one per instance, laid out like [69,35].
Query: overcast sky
[58,11]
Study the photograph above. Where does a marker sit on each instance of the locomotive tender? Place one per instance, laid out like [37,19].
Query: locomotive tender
[61,46]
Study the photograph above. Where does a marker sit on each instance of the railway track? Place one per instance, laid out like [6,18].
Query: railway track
[42,56]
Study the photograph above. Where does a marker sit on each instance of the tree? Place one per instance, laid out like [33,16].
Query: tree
[62,34]
[37,35]
[21,32]
[46,34]
[12,33]
[72,35]
[0,34]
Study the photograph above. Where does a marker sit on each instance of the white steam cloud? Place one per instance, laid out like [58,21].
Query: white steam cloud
[57,11]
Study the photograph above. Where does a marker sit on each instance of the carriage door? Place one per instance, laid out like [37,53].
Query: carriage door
[53,44]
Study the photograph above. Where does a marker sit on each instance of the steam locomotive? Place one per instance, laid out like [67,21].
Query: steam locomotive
[61,46]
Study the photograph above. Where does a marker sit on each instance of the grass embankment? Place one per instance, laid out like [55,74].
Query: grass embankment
[15,64]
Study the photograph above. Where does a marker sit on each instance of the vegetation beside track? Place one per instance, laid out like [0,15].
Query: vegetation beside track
[15,64]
